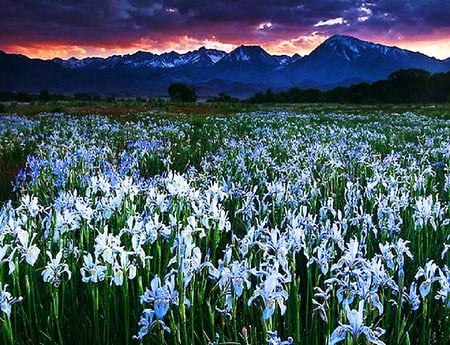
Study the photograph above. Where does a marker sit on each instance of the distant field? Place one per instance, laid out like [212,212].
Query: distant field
[122,107]
[160,223]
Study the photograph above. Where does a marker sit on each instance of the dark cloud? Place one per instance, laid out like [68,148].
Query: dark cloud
[405,17]
[60,21]
[106,22]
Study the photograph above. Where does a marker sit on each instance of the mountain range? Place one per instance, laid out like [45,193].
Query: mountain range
[339,61]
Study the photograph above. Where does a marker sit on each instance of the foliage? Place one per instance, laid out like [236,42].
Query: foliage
[84,96]
[403,86]
[223,98]
[180,92]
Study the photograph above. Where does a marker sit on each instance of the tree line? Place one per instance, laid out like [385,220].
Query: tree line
[403,86]
[46,96]
[178,92]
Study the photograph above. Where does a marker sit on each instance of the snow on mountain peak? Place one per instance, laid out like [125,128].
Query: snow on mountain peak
[200,57]
[215,55]
[241,55]
[249,54]
[350,47]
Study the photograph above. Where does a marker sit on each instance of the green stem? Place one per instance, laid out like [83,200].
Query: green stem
[95,302]
[126,310]
[7,331]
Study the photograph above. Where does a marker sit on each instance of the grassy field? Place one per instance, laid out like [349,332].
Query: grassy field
[162,223]
[121,107]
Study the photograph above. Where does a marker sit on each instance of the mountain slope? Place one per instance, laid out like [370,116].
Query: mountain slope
[344,58]
[447,64]
[250,64]
[20,73]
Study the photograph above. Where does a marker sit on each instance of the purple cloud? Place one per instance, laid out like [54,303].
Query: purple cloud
[119,22]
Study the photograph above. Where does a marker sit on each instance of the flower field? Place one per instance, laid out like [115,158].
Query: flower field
[268,227]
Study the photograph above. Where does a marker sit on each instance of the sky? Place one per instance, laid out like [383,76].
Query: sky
[64,28]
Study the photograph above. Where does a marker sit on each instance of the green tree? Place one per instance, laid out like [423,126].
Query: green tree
[180,92]
[409,85]
[44,95]
[82,96]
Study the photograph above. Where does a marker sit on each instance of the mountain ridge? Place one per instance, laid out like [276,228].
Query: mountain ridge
[339,60]
[330,39]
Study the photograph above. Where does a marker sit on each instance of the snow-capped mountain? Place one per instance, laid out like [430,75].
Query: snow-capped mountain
[249,64]
[204,57]
[74,63]
[340,60]
[294,58]
[201,58]
[140,59]
[249,55]
[350,48]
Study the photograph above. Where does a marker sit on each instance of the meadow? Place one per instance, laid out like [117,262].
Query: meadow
[270,226]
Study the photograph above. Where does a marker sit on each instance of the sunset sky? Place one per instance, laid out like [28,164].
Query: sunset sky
[64,28]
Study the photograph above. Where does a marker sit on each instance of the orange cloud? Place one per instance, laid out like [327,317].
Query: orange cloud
[438,47]
[301,45]
[180,44]
[52,50]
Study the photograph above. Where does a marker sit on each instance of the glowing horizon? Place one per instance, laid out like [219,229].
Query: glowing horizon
[435,48]
[106,27]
